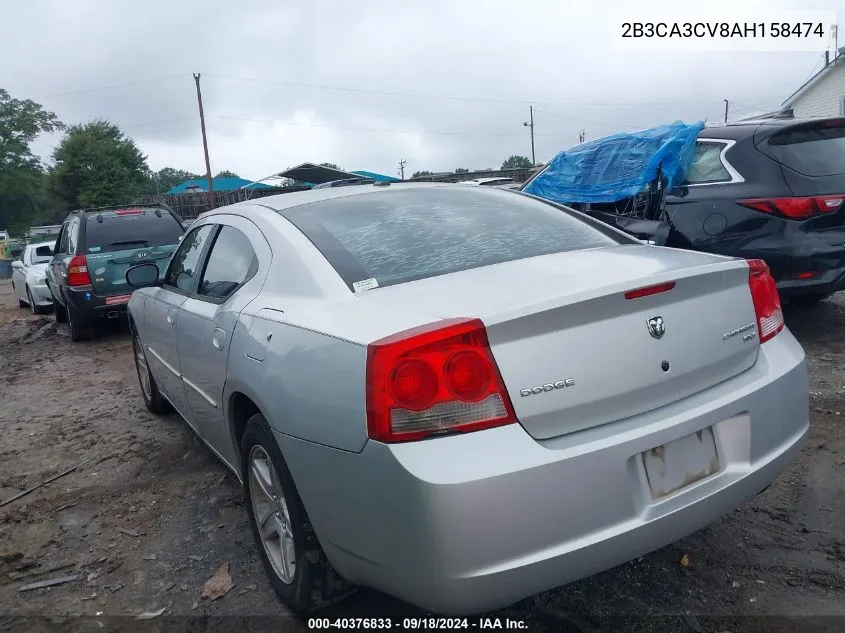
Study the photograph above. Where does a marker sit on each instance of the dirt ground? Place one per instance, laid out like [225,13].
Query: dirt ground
[153,515]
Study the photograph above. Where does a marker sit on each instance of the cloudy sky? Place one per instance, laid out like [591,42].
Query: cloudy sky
[442,84]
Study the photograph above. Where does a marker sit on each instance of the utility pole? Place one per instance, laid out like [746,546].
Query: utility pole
[582,136]
[402,164]
[205,145]
[726,110]
[531,126]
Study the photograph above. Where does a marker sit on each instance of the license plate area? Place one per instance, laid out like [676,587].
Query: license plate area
[681,463]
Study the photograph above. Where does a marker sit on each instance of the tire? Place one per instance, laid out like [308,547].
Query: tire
[153,400]
[21,304]
[79,330]
[59,311]
[36,309]
[312,583]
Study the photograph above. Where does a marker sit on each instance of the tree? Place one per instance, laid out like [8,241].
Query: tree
[163,180]
[226,174]
[24,198]
[330,166]
[517,162]
[421,173]
[95,165]
[462,170]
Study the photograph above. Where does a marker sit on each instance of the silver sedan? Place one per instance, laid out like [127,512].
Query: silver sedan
[462,396]
[28,283]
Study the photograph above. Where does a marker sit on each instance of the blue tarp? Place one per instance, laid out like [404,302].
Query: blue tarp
[619,166]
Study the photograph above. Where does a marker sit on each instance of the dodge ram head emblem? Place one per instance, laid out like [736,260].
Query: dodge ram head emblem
[656,327]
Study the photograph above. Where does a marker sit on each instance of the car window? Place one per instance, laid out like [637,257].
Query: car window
[231,262]
[130,228]
[183,269]
[817,150]
[73,236]
[706,165]
[392,237]
[63,239]
[41,254]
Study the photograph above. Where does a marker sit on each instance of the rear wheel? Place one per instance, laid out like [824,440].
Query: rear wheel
[59,311]
[287,545]
[153,399]
[79,329]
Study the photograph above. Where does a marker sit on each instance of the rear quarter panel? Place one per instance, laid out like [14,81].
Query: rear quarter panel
[308,385]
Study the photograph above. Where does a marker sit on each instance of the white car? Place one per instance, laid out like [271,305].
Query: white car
[28,282]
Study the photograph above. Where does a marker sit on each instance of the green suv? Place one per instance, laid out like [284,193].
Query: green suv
[94,249]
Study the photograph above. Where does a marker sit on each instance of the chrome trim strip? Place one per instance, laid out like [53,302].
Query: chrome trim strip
[164,362]
[204,395]
[736,177]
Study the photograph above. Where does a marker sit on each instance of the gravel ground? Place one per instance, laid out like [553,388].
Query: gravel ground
[151,517]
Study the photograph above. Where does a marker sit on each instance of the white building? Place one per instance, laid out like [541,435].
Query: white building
[823,95]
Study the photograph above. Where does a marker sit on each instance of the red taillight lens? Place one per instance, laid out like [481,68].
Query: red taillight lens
[764,294]
[434,379]
[77,272]
[795,208]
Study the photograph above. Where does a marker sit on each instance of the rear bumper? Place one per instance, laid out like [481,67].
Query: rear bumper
[90,307]
[41,295]
[466,524]
[827,282]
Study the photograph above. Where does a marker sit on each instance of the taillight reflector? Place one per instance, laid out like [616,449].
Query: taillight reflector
[764,294]
[77,272]
[806,275]
[649,290]
[434,379]
[795,208]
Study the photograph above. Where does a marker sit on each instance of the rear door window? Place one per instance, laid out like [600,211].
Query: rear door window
[814,150]
[126,230]
[392,237]
[706,165]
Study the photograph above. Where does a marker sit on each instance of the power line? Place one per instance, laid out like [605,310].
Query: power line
[110,87]
[413,95]
[390,130]
[161,122]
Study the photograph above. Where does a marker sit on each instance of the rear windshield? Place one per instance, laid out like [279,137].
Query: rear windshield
[818,151]
[399,236]
[130,230]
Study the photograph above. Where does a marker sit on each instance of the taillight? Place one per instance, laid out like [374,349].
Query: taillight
[795,208]
[77,271]
[764,294]
[433,379]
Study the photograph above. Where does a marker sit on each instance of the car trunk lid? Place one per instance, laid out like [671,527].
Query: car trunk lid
[575,353]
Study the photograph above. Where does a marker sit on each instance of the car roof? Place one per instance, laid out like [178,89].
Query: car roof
[737,130]
[297,198]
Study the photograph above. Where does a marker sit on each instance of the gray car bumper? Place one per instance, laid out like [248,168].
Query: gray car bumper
[41,295]
[469,523]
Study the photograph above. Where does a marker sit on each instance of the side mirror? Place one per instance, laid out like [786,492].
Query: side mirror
[17,264]
[142,275]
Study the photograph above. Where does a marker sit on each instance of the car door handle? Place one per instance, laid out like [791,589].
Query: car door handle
[171,316]
[217,339]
